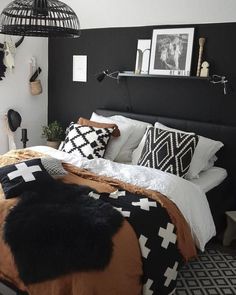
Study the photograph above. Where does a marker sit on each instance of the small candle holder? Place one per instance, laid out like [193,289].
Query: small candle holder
[24,138]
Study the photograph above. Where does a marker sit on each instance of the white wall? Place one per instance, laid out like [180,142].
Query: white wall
[122,13]
[14,91]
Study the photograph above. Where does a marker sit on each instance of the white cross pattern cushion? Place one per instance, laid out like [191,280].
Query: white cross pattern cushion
[86,141]
[29,175]
[168,151]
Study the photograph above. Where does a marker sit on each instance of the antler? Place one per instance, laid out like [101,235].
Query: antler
[17,44]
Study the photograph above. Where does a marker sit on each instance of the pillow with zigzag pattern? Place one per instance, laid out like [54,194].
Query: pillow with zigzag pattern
[168,151]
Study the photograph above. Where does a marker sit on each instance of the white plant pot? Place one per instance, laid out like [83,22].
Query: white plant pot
[53,144]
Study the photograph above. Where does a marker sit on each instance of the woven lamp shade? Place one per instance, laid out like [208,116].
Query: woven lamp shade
[39,18]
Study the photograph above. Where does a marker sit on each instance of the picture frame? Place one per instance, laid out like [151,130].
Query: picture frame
[171,52]
[142,56]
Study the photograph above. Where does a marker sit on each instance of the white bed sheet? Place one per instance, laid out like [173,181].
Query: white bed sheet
[188,197]
[210,178]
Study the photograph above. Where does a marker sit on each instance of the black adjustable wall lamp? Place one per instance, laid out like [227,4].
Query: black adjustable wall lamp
[216,79]
[114,75]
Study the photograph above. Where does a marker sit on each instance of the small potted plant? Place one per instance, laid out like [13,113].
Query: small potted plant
[53,133]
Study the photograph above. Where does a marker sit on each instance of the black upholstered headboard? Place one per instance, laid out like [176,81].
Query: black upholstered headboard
[226,134]
[221,199]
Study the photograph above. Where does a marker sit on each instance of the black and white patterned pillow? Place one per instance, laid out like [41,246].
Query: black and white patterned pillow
[168,151]
[87,141]
[29,175]
[53,166]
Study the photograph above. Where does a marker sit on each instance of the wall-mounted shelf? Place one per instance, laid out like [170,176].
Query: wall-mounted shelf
[214,79]
[132,74]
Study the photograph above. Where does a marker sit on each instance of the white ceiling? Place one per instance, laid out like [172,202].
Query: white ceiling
[124,13]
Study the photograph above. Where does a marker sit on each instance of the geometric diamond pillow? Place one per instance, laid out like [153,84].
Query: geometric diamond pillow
[87,141]
[168,151]
[24,176]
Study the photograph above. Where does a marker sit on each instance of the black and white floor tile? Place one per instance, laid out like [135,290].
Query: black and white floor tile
[212,273]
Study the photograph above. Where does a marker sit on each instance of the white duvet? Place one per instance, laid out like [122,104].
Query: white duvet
[188,197]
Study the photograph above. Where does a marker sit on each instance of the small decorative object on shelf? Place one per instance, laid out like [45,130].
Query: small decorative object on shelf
[24,137]
[204,69]
[171,52]
[142,57]
[201,47]
[53,133]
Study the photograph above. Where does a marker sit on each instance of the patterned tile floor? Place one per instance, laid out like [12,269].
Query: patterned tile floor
[212,273]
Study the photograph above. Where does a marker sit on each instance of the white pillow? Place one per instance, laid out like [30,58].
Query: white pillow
[211,178]
[138,130]
[210,163]
[204,155]
[138,151]
[115,143]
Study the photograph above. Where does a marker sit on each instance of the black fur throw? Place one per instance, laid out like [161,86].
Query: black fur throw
[59,231]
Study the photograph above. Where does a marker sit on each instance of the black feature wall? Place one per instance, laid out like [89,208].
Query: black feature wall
[115,49]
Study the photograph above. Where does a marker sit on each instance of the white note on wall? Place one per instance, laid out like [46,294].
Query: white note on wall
[80,68]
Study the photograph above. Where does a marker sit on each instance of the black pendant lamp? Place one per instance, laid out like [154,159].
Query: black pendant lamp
[39,18]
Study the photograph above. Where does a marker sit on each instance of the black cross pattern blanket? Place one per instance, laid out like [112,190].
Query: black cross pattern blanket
[157,238]
[152,224]
[160,246]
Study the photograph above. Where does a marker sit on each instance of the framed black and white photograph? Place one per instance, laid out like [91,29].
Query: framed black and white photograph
[171,51]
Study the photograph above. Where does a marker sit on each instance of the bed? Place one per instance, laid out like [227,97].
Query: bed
[184,220]
[222,197]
